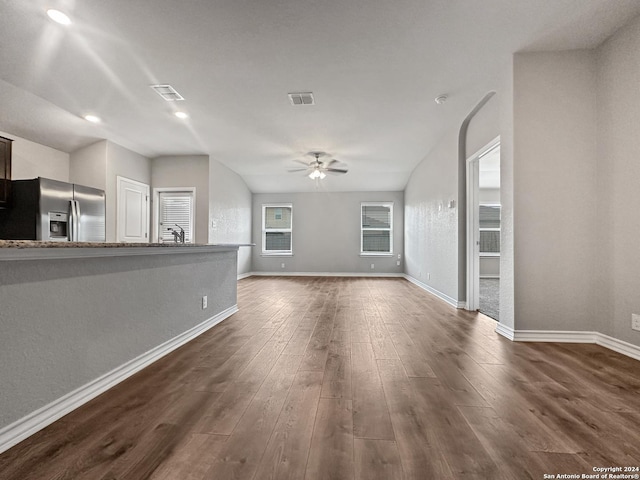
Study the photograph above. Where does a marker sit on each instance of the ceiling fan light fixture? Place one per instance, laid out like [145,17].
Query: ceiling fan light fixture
[316,174]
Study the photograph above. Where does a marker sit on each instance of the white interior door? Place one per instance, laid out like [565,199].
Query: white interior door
[133,211]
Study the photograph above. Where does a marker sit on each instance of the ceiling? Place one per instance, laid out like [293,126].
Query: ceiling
[374,68]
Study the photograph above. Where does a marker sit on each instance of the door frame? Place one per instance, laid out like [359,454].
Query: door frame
[119,180]
[156,209]
[473,224]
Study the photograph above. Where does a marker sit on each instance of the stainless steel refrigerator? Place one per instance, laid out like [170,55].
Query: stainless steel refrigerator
[50,210]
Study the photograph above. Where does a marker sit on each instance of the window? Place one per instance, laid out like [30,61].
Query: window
[489,220]
[276,229]
[175,208]
[376,228]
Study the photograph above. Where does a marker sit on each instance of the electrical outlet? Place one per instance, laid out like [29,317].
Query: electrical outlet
[282,265]
[204,302]
[398,263]
[428,276]
[399,256]
[373,266]
[635,321]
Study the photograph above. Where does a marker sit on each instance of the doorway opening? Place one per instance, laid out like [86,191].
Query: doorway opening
[483,230]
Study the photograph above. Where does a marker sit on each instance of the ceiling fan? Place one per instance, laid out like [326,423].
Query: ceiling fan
[317,169]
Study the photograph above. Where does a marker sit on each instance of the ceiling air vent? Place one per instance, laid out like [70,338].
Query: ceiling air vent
[301,98]
[167,92]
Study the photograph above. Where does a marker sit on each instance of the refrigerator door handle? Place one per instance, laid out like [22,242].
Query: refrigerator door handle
[71,222]
[77,225]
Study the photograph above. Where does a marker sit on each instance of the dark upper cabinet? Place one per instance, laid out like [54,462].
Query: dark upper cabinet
[5,171]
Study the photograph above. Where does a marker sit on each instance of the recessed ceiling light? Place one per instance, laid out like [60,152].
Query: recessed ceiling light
[59,17]
[181,115]
[92,119]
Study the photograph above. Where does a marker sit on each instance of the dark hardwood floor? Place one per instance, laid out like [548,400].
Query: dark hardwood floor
[350,378]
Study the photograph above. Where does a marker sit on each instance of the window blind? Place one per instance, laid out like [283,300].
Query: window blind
[376,228]
[489,216]
[176,208]
[376,216]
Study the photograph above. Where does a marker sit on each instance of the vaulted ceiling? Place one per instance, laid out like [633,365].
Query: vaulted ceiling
[373,66]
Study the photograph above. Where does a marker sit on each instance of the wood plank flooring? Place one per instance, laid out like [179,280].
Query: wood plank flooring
[349,378]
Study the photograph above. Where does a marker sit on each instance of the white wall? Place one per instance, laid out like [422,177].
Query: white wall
[326,233]
[88,165]
[31,160]
[505,107]
[554,176]
[230,211]
[489,195]
[431,228]
[186,171]
[618,162]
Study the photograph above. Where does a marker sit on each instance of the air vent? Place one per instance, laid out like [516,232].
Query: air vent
[167,92]
[301,98]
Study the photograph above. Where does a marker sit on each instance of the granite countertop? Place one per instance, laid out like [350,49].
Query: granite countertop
[38,244]
[34,250]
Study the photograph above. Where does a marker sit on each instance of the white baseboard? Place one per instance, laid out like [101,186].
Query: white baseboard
[244,275]
[443,296]
[559,336]
[505,331]
[35,421]
[326,274]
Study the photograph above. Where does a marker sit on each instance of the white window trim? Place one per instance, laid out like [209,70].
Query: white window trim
[362,229]
[276,253]
[156,210]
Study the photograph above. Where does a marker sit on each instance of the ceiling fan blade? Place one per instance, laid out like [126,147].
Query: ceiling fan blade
[306,164]
[294,170]
[335,170]
[332,162]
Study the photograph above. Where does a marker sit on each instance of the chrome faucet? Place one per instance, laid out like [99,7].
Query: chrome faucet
[178,236]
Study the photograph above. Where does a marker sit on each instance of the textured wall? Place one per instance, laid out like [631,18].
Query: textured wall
[230,211]
[186,171]
[554,176]
[31,160]
[617,220]
[505,101]
[431,228]
[66,322]
[88,165]
[326,233]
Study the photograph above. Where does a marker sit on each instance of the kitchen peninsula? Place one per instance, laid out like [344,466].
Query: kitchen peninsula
[78,318]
